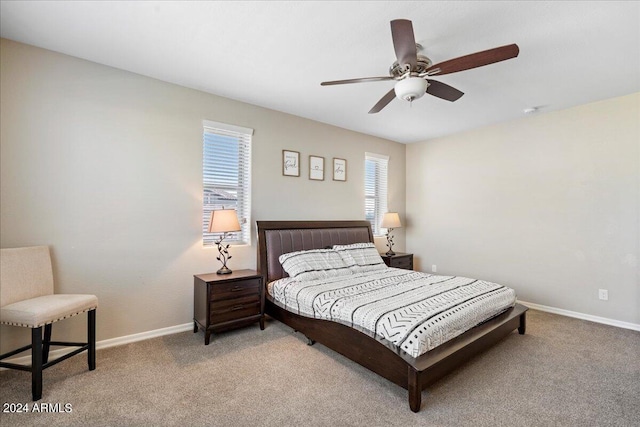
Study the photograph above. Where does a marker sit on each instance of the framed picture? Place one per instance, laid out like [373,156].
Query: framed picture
[290,163]
[339,169]
[316,168]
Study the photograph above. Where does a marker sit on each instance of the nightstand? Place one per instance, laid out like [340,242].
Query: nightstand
[399,260]
[227,301]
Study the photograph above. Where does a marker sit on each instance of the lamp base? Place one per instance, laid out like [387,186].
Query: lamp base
[224,270]
[390,243]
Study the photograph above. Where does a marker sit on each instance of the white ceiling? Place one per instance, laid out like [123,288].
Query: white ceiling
[275,54]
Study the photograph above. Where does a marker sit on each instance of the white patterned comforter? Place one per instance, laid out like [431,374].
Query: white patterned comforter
[413,311]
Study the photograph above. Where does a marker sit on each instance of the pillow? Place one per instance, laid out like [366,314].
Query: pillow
[361,257]
[314,264]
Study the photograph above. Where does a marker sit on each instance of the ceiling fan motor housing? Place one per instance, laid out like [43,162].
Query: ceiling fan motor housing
[422,63]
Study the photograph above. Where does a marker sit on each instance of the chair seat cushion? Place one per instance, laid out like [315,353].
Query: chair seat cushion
[39,311]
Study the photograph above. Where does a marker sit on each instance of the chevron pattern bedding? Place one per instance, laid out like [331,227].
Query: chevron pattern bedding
[413,311]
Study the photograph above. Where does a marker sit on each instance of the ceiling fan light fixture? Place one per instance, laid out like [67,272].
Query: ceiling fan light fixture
[411,88]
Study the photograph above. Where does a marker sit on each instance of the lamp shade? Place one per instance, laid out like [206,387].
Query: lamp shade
[391,220]
[222,221]
[411,88]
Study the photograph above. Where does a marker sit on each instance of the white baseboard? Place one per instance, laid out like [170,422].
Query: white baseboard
[597,319]
[144,336]
[26,360]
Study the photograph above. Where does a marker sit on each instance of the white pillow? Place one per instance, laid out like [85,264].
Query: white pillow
[361,257]
[314,264]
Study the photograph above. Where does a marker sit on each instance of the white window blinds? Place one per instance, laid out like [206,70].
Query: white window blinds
[375,190]
[226,177]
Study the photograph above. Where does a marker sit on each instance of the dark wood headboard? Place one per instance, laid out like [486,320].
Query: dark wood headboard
[279,237]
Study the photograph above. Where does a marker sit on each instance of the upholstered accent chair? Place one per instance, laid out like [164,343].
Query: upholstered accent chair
[27,300]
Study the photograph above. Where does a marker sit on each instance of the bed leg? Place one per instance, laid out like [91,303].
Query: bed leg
[523,323]
[415,389]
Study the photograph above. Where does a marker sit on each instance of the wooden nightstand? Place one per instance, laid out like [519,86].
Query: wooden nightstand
[226,301]
[399,260]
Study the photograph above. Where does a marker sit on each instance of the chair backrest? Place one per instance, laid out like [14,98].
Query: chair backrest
[25,273]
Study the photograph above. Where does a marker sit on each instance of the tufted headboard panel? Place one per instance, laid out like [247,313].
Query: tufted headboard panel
[279,237]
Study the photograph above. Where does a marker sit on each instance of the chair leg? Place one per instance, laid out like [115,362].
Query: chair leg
[91,339]
[46,343]
[36,363]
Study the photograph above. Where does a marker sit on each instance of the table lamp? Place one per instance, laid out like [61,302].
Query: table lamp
[390,220]
[223,221]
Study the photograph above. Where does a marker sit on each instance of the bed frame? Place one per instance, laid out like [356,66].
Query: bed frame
[376,354]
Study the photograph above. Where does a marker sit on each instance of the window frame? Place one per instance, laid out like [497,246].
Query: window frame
[218,133]
[380,190]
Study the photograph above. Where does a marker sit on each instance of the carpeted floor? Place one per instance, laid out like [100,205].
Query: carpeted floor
[563,372]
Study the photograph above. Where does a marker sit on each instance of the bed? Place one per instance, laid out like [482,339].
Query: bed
[381,356]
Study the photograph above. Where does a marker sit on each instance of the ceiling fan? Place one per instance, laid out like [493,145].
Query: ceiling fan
[411,69]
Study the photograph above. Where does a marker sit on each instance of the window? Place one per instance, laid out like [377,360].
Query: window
[226,176]
[375,190]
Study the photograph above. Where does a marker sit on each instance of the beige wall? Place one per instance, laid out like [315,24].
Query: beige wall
[549,204]
[105,166]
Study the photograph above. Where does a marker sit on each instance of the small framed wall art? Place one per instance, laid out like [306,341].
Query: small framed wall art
[316,168]
[290,163]
[339,169]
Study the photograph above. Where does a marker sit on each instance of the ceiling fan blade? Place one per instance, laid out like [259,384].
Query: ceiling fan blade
[474,60]
[443,91]
[404,42]
[361,80]
[383,101]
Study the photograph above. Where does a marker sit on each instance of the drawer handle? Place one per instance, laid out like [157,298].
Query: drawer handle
[237,307]
[236,288]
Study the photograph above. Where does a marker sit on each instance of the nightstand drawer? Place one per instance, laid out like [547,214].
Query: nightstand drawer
[399,260]
[403,262]
[235,289]
[225,304]
[235,312]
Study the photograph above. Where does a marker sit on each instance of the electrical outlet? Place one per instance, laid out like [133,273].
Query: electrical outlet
[603,294]
[434,268]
